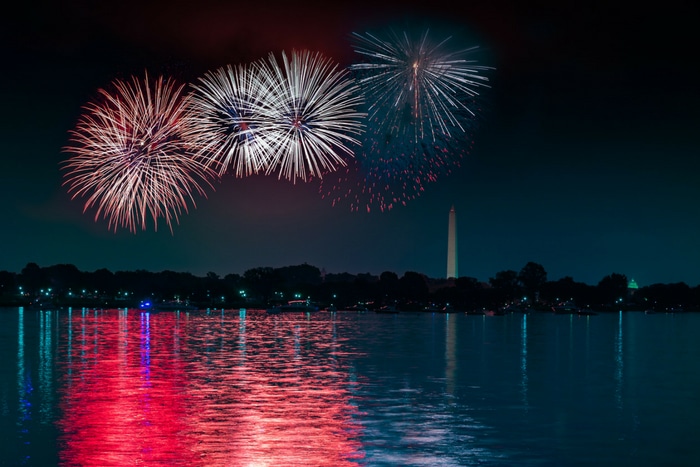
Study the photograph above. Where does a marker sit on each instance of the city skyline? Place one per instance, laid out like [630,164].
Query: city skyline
[583,156]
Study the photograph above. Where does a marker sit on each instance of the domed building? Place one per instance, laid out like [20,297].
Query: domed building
[632,287]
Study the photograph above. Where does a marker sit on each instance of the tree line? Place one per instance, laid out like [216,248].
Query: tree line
[66,285]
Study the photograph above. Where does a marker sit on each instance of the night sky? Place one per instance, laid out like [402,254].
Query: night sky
[585,159]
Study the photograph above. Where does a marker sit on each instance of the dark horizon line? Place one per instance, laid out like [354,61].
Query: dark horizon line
[324,273]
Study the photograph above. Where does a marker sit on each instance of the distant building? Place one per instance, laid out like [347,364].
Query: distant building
[632,287]
[452,245]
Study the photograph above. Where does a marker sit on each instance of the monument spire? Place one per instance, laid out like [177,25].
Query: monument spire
[452,245]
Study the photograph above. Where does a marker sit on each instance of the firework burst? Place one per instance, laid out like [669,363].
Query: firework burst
[131,157]
[313,114]
[229,109]
[421,101]
[421,90]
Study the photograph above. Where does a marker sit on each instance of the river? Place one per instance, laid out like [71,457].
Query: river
[120,387]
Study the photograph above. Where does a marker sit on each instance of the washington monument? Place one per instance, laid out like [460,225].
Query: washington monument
[452,246]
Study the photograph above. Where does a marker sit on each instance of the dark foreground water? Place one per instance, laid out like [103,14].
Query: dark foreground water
[246,388]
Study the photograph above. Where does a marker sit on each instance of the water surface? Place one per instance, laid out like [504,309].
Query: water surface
[248,388]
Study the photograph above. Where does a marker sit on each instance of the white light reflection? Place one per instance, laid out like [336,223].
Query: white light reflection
[450,353]
[45,364]
[69,344]
[523,360]
[618,363]
[241,333]
[83,336]
[145,348]
[22,391]
[297,345]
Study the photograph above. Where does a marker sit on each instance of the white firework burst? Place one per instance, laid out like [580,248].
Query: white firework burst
[313,114]
[421,99]
[228,120]
[131,158]
[415,87]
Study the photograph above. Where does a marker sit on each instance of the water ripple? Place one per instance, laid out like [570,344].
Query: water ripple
[168,389]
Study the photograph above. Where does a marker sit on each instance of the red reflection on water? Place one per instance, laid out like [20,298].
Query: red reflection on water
[168,389]
[121,404]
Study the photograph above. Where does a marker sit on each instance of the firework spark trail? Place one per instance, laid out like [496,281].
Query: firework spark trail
[421,108]
[313,108]
[229,109]
[131,157]
[143,151]
[432,83]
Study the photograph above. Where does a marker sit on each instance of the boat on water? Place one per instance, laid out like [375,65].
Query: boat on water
[568,308]
[495,312]
[565,308]
[174,305]
[294,305]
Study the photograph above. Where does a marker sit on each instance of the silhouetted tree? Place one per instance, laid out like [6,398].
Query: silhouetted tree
[667,296]
[340,293]
[532,277]
[63,277]
[695,298]
[470,293]
[216,289]
[566,289]
[233,284]
[341,289]
[506,285]
[612,288]
[101,281]
[388,286]
[168,284]
[139,282]
[342,277]
[32,278]
[364,288]
[303,274]
[8,283]
[413,286]
[263,282]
